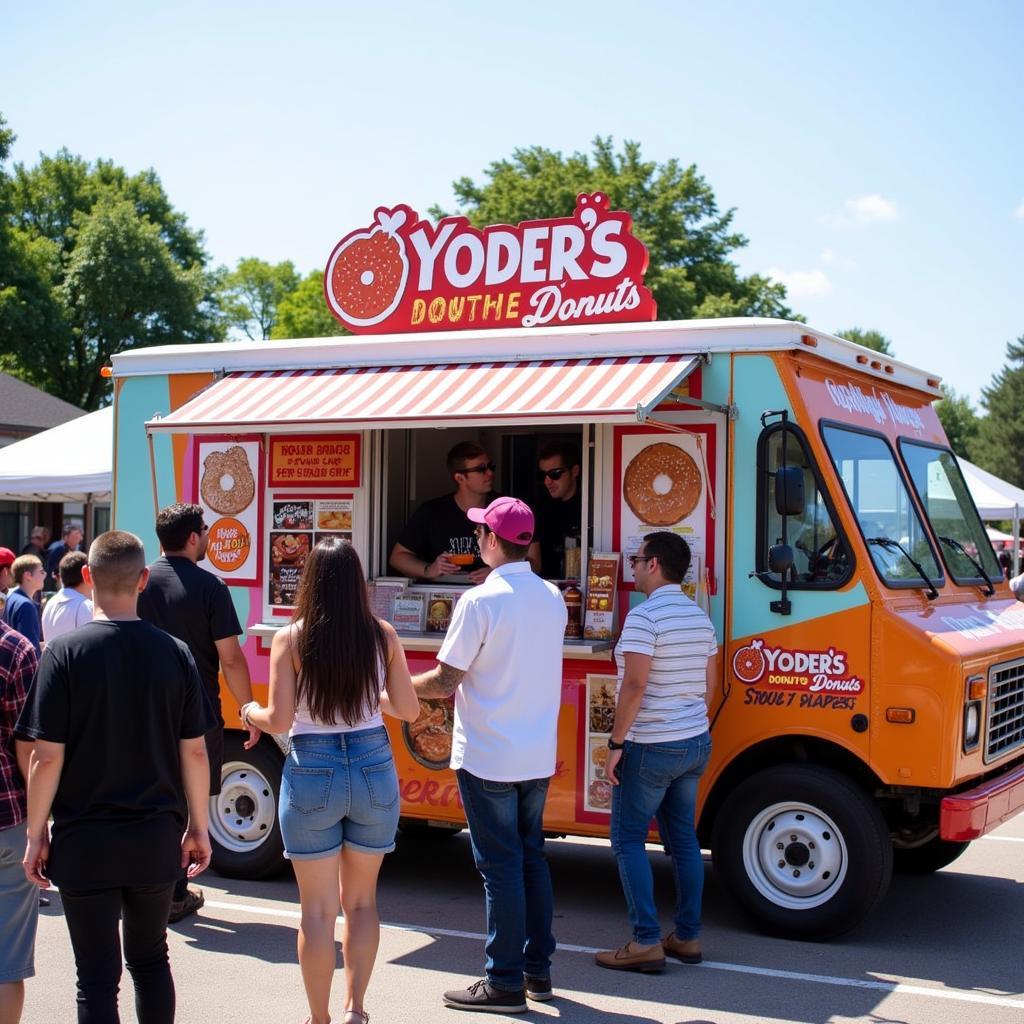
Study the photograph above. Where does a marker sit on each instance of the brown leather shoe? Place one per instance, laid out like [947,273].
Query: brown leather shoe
[633,957]
[686,950]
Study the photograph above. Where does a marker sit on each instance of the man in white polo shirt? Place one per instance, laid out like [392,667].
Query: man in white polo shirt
[72,606]
[502,658]
[658,750]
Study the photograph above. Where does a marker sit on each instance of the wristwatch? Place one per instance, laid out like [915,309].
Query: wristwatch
[612,745]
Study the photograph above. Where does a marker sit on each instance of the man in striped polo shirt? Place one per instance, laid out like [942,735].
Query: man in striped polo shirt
[658,750]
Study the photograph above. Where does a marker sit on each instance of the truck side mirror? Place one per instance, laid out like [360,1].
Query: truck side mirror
[789,491]
[780,559]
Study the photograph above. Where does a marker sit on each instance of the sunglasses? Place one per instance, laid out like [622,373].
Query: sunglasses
[484,467]
[552,474]
[633,559]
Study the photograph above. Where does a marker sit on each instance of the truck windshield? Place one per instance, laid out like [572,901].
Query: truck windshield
[947,503]
[896,538]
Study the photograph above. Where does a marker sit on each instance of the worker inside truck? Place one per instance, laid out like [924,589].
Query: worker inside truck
[422,517]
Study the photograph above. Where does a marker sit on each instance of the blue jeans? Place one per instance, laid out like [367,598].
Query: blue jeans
[659,780]
[505,826]
[339,789]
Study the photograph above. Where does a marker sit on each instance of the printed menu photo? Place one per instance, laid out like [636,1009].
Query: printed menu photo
[288,553]
[600,712]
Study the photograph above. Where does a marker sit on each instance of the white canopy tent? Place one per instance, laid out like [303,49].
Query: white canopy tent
[71,462]
[996,499]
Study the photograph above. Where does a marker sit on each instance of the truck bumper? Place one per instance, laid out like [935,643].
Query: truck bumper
[968,815]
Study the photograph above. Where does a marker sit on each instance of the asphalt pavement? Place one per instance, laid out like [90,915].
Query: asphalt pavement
[942,948]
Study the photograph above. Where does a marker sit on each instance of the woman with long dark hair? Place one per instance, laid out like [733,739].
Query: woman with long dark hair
[333,671]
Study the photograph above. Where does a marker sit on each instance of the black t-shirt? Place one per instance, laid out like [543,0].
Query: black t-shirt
[119,696]
[440,525]
[195,606]
[556,520]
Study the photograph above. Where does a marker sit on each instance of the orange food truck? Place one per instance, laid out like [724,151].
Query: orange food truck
[870,709]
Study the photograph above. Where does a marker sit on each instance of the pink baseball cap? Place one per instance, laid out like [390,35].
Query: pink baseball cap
[510,518]
[6,557]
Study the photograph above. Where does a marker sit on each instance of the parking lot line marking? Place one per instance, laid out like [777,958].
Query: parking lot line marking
[892,987]
[1005,839]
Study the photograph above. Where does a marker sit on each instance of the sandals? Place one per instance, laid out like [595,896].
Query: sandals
[356,1017]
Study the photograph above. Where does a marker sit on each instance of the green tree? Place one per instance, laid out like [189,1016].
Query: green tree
[674,211]
[303,312]
[959,420]
[869,339]
[999,447]
[102,263]
[251,295]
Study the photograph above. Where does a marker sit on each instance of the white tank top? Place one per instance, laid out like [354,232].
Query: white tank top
[305,723]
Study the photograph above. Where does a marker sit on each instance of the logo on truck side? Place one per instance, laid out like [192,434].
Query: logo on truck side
[403,273]
[811,674]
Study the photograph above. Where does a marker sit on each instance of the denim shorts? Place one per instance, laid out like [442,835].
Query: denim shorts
[339,789]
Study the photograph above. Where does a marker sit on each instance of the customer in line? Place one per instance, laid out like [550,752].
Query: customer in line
[117,715]
[333,672]
[502,658]
[21,612]
[71,607]
[658,749]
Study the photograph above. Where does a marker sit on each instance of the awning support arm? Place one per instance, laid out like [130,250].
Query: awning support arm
[731,412]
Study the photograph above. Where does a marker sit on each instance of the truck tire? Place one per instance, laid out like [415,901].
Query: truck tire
[244,828]
[805,851]
[926,858]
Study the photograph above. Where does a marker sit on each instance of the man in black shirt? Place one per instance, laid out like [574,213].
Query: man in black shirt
[439,539]
[195,606]
[117,716]
[559,469]
[71,538]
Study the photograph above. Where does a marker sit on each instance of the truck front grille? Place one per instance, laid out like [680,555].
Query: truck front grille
[1005,709]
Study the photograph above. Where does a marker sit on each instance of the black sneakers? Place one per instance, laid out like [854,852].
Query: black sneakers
[538,989]
[484,999]
[193,900]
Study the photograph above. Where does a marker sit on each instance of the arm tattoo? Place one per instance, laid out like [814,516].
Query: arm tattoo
[443,682]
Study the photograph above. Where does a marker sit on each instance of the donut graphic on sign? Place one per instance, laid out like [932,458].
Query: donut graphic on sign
[367,271]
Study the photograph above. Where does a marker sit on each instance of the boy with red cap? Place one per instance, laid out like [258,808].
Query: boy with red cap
[502,658]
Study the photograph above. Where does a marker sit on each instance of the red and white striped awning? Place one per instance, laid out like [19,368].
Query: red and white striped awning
[610,390]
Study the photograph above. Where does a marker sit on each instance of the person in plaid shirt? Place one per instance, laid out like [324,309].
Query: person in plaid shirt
[19,901]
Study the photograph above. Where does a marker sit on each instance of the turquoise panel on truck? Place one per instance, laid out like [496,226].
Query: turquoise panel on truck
[757,388]
[138,399]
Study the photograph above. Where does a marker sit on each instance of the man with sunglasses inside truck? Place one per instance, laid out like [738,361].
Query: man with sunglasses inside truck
[558,466]
[438,540]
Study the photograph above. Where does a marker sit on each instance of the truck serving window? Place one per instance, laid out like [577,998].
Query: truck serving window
[821,555]
[877,494]
[948,505]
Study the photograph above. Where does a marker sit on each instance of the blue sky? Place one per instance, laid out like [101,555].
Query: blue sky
[873,151]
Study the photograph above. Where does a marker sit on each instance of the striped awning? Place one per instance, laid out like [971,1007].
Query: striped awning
[611,390]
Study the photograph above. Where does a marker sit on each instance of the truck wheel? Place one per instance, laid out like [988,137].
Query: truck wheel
[926,858]
[244,829]
[804,850]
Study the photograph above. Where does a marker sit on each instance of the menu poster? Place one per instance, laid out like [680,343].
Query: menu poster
[382,594]
[409,613]
[318,460]
[334,514]
[599,619]
[663,488]
[440,605]
[293,515]
[288,553]
[600,718]
[228,472]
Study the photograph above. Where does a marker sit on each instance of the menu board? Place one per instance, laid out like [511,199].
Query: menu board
[296,525]
[600,718]
[440,605]
[663,488]
[409,612]
[319,460]
[602,576]
[227,473]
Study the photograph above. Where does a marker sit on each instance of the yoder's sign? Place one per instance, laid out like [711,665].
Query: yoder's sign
[403,273]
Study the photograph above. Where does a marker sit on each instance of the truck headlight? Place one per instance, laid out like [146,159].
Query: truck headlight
[972,724]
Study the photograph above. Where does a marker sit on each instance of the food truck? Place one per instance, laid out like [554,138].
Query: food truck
[869,708]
